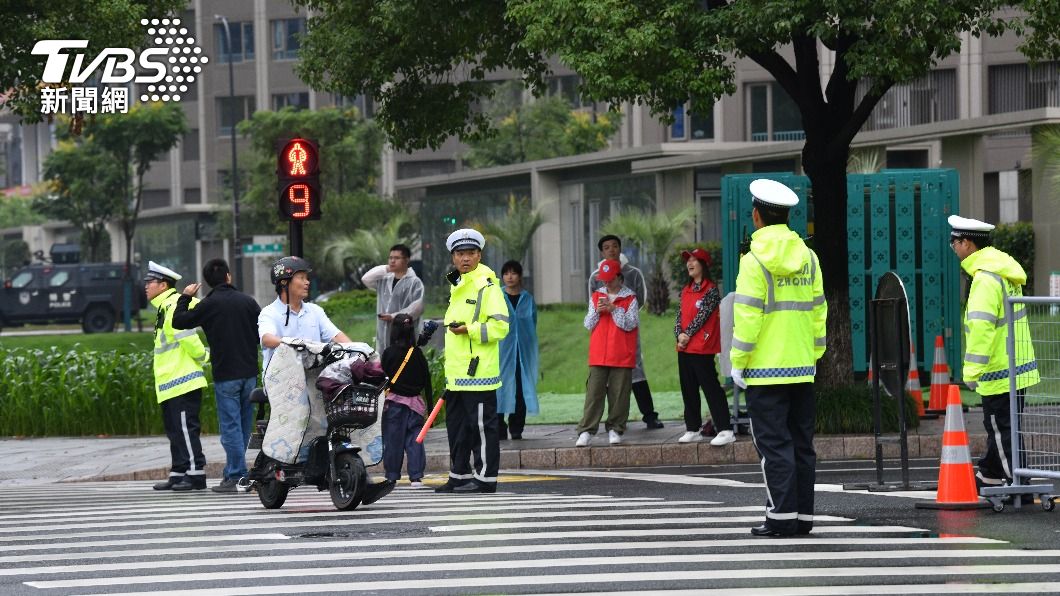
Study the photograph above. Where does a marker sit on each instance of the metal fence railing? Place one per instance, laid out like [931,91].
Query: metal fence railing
[1035,417]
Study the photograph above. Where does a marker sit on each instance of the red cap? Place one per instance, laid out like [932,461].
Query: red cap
[698,253]
[609,269]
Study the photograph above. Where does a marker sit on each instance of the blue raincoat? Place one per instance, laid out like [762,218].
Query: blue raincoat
[520,343]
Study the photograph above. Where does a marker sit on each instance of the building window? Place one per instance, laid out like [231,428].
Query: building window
[156,199]
[772,115]
[299,101]
[1016,87]
[689,125]
[189,145]
[566,86]
[242,42]
[286,38]
[364,104]
[930,98]
[244,107]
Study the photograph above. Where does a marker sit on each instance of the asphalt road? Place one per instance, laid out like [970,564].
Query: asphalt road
[598,531]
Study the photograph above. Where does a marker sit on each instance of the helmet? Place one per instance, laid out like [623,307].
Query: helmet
[286,267]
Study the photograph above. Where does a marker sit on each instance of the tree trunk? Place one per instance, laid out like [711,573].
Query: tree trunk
[827,175]
[658,294]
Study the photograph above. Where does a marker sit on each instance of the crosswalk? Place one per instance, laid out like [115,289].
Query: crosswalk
[124,538]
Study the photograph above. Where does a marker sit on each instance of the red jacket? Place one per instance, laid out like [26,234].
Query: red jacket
[613,336]
[706,339]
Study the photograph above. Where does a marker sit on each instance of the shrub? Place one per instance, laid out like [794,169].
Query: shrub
[848,410]
[1017,239]
[354,301]
[678,272]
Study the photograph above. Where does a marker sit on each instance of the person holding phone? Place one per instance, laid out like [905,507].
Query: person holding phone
[399,291]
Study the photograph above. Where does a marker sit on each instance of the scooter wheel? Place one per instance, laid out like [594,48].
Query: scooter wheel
[349,483]
[271,492]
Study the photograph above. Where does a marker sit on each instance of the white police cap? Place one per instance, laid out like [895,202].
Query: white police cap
[965,226]
[465,238]
[773,194]
[156,271]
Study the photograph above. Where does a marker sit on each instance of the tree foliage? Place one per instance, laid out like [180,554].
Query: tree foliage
[653,234]
[84,187]
[104,23]
[353,254]
[541,129]
[662,53]
[19,211]
[514,233]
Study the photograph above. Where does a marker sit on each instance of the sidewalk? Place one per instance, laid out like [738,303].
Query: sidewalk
[543,447]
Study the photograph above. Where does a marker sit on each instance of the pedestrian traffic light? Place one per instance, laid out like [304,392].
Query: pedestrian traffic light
[298,171]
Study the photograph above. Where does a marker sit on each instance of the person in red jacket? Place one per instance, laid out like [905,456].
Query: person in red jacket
[612,322]
[698,334]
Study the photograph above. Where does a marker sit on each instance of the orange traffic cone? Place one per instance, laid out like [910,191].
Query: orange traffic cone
[912,384]
[956,478]
[940,378]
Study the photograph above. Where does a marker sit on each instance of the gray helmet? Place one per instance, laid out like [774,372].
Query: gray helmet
[286,267]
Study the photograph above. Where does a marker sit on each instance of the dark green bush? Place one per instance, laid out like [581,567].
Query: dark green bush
[1017,239]
[353,301]
[848,410]
[678,272]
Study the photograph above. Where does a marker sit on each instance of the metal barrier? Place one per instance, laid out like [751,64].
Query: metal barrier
[1035,418]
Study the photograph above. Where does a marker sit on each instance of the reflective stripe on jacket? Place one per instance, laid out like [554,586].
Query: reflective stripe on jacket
[779,310]
[995,275]
[178,354]
[477,302]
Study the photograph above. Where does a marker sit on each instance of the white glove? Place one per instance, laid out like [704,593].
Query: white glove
[737,378]
[971,384]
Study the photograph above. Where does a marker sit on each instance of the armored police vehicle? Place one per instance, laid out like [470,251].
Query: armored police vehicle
[89,293]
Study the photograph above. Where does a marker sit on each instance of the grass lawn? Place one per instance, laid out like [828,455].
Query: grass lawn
[121,343]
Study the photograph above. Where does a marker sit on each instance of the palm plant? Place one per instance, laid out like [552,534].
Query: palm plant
[514,233]
[653,235]
[1045,150]
[355,253]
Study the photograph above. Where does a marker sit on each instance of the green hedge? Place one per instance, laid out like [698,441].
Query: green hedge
[1017,239]
[848,410]
[353,301]
[55,392]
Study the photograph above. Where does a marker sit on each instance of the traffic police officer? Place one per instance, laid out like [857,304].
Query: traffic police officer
[179,380]
[778,336]
[477,319]
[995,275]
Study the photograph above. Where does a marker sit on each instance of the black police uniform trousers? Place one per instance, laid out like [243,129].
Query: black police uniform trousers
[471,425]
[180,417]
[995,467]
[782,425]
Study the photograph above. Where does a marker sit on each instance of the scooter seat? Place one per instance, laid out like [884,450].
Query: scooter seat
[257,396]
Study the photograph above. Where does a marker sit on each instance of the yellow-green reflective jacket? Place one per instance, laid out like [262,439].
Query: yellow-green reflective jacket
[179,353]
[994,276]
[779,310]
[477,301]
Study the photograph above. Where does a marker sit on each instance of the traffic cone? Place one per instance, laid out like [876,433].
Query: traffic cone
[940,379]
[912,384]
[956,478]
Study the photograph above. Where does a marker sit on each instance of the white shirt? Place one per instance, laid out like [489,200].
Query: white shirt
[310,323]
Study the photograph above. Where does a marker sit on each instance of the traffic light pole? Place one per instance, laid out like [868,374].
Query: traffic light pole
[296,238]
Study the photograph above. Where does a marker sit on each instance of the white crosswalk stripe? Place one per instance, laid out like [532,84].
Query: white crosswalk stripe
[123,538]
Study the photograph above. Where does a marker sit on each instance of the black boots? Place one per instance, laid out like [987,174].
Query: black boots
[187,483]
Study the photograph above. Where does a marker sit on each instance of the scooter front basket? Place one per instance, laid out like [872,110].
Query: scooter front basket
[356,406]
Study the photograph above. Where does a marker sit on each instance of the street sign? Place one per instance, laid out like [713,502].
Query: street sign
[263,249]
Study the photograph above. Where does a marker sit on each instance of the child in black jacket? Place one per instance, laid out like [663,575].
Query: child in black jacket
[405,407]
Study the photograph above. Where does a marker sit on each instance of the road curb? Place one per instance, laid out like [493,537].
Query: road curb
[833,447]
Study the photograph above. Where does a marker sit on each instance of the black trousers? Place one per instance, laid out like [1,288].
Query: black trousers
[516,420]
[471,425]
[645,403]
[180,417]
[697,372]
[782,426]
[995,468]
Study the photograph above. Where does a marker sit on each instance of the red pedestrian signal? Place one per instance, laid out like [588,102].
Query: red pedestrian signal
[298,171]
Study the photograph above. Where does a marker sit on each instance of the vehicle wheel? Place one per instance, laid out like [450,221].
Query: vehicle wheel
[271,492]
[1047,503]
[347,487]
[999,506]
[98,319]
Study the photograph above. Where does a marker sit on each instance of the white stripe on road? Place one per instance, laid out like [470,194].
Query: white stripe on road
[669,522]
[389,509]
[493,582]
[365,545]
[770,557]
[947,588]
[299,521]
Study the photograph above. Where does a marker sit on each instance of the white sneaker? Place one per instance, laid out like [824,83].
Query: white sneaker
[614,438]
[690,436]
[417,484]
[583,440]
[724,438]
